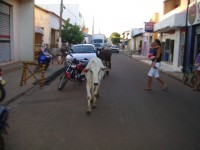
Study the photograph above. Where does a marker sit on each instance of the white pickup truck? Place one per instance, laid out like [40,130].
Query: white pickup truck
[99,41]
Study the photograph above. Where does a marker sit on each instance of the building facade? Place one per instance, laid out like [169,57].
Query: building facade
[125,38]
[71,11]
[46,27]
[149,35]
[16,30]
[136,39]
[193,33]
[172,29]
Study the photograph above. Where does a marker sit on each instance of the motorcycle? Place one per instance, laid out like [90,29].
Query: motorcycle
[2,89]
[3,125]
[44,58]
[73,72]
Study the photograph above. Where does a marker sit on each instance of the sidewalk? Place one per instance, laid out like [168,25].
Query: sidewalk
[12,73]
[165,68]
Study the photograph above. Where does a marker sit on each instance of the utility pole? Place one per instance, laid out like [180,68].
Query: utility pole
[60,23]
[185,56]
[93,26]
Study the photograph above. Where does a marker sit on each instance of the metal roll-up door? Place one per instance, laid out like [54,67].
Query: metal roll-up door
[5,49]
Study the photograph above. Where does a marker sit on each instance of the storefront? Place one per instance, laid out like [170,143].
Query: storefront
[197,41]
[193,33]
[16,30]
[5,48]
[168,42]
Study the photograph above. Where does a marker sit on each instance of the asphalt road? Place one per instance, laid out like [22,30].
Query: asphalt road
[126,118]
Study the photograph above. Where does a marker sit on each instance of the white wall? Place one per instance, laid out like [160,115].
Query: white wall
[54,22]
[174,18]
[176,38]
[176,48]
[21,29]
[26,30]
[71,11]
[131,44]
[14,31]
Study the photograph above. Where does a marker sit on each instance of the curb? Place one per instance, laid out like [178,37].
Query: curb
[161,70]
[168,74]
[54,75]
[6,103]
[48,80]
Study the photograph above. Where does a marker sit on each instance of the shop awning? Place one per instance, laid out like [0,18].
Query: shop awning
[39,30]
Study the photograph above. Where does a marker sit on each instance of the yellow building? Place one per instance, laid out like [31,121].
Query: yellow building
[149,35]
[46,28]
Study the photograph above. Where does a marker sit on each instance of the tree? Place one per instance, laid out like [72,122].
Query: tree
[115,38]
[71,33]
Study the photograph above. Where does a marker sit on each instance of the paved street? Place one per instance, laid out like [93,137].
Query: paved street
[126,118]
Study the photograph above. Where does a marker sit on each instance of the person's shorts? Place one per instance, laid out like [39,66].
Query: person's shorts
[153,72]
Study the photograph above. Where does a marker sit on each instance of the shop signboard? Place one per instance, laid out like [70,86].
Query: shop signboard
[149,26]
[194,13]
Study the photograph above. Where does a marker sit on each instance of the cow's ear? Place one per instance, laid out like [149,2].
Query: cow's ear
[98,52]
[84,71]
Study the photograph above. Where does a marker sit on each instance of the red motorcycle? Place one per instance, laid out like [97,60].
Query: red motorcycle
[73,72]
[2,89]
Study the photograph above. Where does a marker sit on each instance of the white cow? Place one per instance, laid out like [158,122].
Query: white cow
[94,72]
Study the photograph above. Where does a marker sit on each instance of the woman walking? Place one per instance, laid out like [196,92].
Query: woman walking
[156,63]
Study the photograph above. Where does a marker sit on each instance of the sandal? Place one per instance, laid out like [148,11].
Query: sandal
[147,89]
[164,87]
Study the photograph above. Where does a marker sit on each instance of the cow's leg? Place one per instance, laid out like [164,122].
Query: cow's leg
[88,98]
[94,95]
[107,65]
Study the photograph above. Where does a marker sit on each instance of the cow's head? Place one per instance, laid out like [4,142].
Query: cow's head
[98,52]
[97,70]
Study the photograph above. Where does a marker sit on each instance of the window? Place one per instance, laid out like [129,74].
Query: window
[83,49]
[98,41]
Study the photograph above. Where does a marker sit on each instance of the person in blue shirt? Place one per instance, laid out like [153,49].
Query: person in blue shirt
[197,72]
[156,63]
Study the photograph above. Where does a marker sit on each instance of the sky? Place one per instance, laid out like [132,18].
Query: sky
[113,15]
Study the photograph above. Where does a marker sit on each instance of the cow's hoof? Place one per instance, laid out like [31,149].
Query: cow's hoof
[94,106]
[88,112]
[91,101]
[107,73]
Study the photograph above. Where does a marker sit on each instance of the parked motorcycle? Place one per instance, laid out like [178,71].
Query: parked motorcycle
[44,58]
[2,89]
[3,125]
[73,72]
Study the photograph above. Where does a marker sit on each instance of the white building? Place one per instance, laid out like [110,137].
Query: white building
[71,11]
[171,29]
[135,38]
[16,30]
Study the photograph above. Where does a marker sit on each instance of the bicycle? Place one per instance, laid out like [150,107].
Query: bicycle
[188,76]
[197,79]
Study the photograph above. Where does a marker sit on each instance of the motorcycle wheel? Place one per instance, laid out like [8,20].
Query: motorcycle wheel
[62,83]
[2,93]
[1,142]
